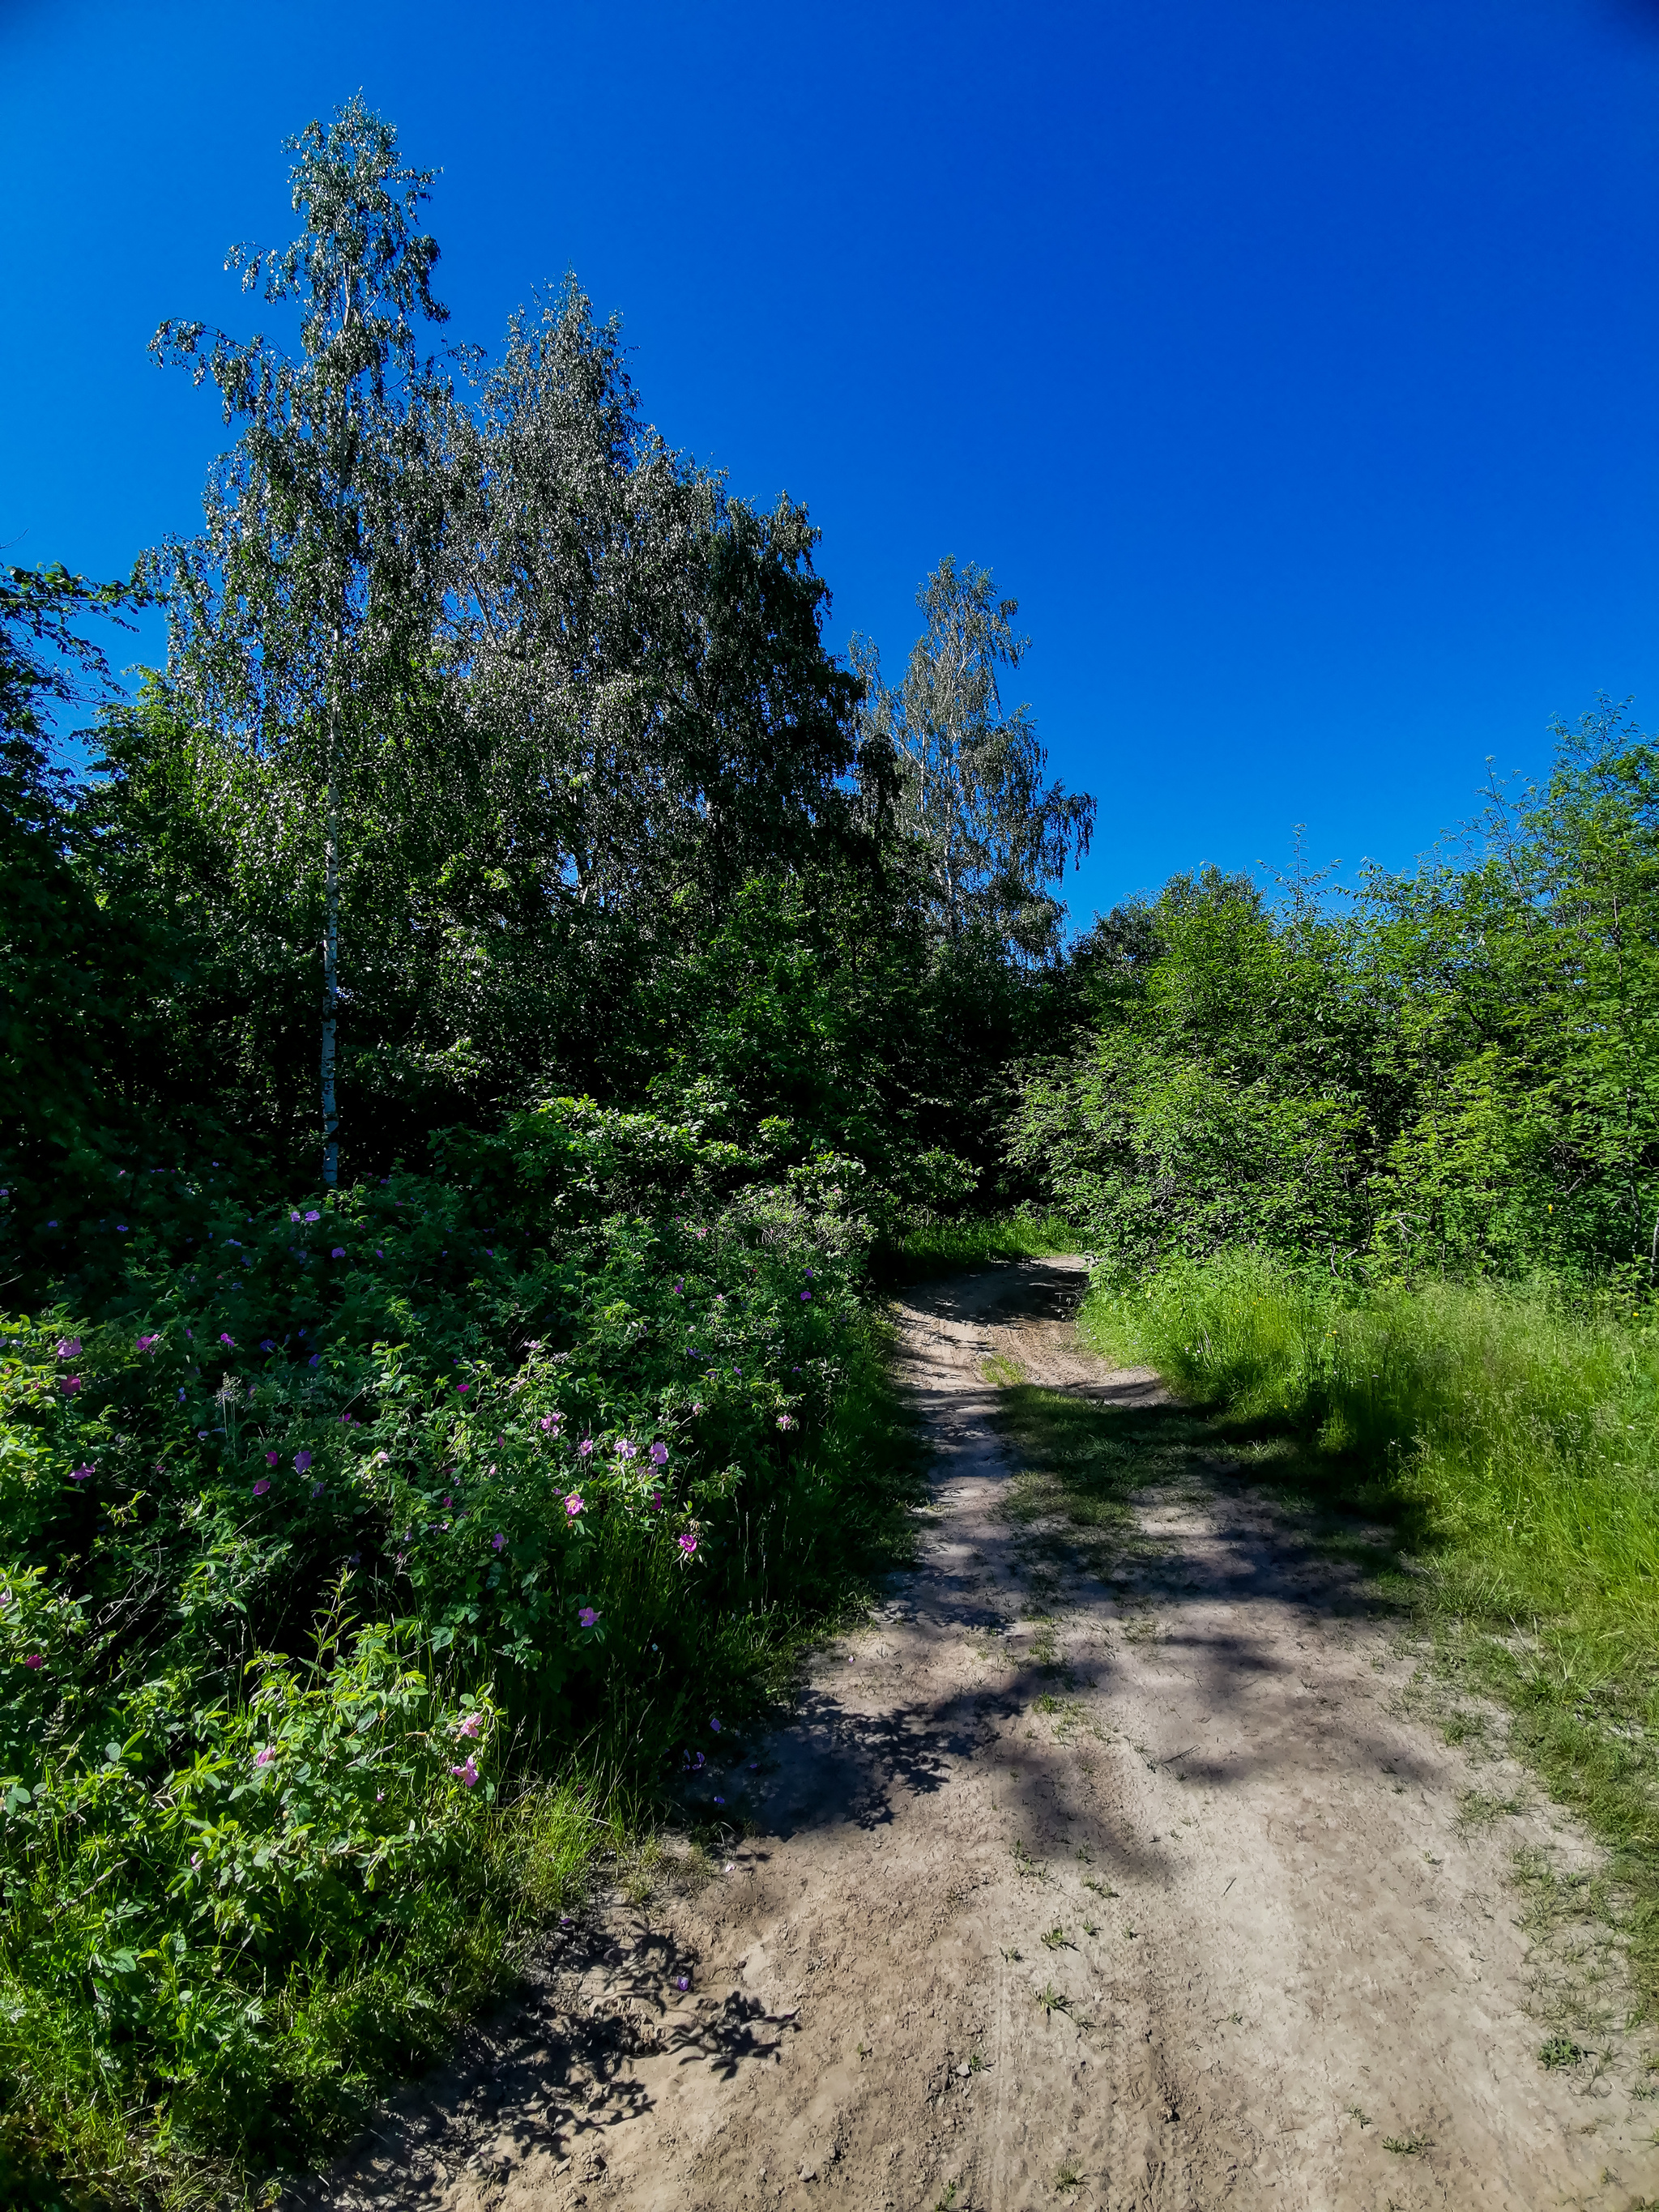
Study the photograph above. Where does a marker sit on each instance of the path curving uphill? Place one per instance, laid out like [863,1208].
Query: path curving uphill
[1121,1893]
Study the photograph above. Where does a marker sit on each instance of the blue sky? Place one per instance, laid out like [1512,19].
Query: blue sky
[1292,364]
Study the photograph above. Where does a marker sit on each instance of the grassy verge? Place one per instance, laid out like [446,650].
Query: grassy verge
[935,1248]
[1510,1437]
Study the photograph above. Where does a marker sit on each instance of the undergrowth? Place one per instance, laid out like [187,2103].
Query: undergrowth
[1509,1438]
[368,1566]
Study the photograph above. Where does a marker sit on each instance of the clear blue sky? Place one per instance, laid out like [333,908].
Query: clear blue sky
[1294,364]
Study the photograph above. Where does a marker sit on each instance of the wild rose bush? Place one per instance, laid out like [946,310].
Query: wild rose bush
[309,1512]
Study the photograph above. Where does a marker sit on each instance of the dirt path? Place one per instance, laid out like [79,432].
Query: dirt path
[1279,1971]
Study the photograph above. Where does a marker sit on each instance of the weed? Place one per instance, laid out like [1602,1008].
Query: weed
[1412,2146]
[1068,2178]
[1558,2050]
[1090,1927]
[1100,1888]
[1354,2113]
[1053,2000]
[1476,1809]
[1054,1939]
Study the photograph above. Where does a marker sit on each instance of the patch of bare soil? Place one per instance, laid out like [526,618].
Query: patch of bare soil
[1159,1892]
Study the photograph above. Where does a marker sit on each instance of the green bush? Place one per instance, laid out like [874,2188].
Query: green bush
[339,1542]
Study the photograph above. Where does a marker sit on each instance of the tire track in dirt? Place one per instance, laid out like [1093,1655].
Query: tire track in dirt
[1279,1972]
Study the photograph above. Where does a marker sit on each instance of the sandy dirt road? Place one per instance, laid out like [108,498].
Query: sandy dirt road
[1117,1894]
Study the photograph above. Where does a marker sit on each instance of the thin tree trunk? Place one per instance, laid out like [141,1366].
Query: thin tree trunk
[331,943]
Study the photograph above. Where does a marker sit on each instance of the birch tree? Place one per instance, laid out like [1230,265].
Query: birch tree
[970,771]
[304,619]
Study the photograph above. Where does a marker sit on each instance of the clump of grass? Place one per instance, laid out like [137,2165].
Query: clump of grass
[1509,1438]
[1558,2050]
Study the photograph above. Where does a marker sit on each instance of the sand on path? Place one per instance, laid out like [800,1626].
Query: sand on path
[1279,1968]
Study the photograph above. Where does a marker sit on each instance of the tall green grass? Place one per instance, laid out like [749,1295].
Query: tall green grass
[1511,1436]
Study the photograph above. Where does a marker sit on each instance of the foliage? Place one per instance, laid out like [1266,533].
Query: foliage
[1458,1073]
[64,971]
[341,1539]
[970,775]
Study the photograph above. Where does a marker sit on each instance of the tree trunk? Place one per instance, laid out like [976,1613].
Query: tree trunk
[331,947]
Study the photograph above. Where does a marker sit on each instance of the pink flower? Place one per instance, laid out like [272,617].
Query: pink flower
[314,1215]
[301,1461]
[34,1659]
[70,1385]
[69,1347]
[470,1725]
[659,1454]
[587,1616]
[271,1459]
[338,1252]
[806,1297]
[463,1387]
[147,1344]
[715,1726]
[82,1474]
[656,1501]
[549,1421]
[585,1448]
[573,1505]
[466,1774]
[262,1485]
[230,1340]
[265,1757]
[497,1542]
[688,1543]
[786,1420]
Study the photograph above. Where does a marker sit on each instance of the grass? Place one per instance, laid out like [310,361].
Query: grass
[1507,1442]
[937,1248]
